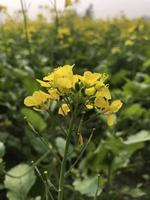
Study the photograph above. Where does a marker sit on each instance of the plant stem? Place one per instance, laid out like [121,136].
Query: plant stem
[63,164]
[24,10]
[96,194]
[80,154]
[109,183]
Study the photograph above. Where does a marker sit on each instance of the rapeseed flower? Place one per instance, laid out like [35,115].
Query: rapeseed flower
[38,98]
[108,109]
[64,109]
[83,92]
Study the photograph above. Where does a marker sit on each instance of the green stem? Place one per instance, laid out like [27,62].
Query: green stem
[109,183]
[63,165]
[81,153]
[96,194]
[23,7]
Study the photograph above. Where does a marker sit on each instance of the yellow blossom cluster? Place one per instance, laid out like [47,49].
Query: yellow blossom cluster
[87,91]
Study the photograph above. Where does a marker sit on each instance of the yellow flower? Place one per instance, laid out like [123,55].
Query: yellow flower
[101,103]
[62,32]
[49,77]
[64,109]
[90,91]
[115,106]
[38,98]
[104,92]
[111,119]
[68,3]
[107,109]
[101,81]
[98,85]
[63,78]
[43,83]
[53,94]
[89,78]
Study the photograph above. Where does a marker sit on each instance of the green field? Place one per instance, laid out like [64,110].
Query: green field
[112,163]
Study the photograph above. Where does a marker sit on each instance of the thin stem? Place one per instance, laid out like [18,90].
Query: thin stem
[98,182]
[43,141]
[23,7]
[56,16]
[63,165]
[109,183]
[81,153]
[47,191]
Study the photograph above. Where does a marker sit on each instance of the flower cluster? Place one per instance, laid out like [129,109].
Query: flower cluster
[83,92]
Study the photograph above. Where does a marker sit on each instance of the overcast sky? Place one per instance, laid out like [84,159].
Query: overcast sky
[102,8]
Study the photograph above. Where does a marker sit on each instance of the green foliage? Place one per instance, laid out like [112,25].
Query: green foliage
[142,136]
[19,182]
[120,155]
[60,143]
[34,118]
[88,186]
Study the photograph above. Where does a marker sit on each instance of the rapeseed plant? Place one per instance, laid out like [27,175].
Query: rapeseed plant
[75,94]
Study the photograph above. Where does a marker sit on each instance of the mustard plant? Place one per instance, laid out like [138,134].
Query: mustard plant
[74,94]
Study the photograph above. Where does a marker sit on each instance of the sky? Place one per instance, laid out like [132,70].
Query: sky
[102,8]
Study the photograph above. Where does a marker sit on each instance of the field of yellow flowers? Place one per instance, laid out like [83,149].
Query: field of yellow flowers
[74,108]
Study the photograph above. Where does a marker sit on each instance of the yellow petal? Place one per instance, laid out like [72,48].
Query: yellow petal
[53,94]
[99,85]
[38,98]
[90,78]
[63,83]
[50,77]
[111,119]
[30,101]
[104,92]
[43,83]
[115,106]
[90,91]
[89,106]
[64,109]
[101,103]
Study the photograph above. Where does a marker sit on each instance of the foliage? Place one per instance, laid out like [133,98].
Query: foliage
[18,182]
[119,47]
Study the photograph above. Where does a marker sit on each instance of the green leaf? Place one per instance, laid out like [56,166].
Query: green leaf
[30,85]
[119,77]
[113,151]
[137,192]
[35,142]
[88,186]
[60,143]
[141,136]
[133,192]
[20,182]
[34,118]
[134,110]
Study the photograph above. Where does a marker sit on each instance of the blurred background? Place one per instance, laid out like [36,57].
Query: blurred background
[101,9]
[111,37]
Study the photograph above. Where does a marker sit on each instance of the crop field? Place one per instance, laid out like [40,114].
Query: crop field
[74,107]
